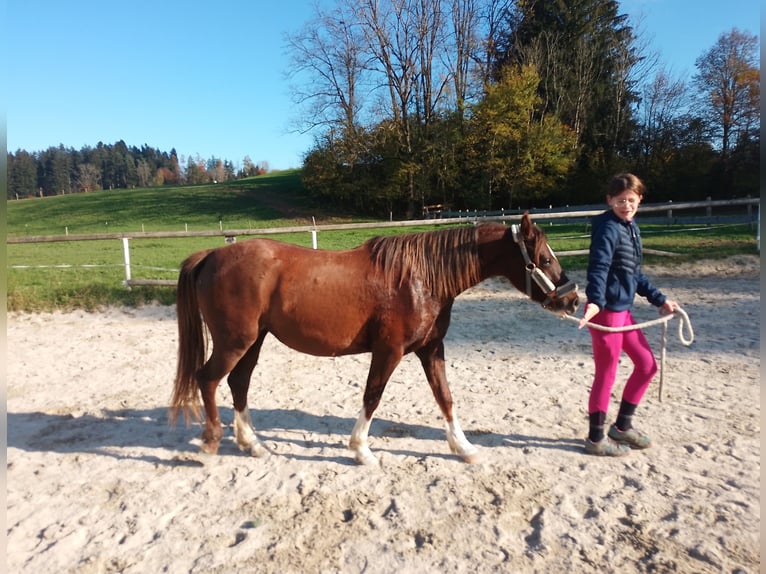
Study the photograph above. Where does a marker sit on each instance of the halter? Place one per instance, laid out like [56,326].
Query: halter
[536,274]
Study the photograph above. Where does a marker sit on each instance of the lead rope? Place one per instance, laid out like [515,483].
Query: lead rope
[684,323]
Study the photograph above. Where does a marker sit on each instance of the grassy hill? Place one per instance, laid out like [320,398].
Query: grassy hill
[272,200]
[90,274]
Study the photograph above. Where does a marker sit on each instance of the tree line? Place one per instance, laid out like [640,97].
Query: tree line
[498,103]
[61,170]
[476,104]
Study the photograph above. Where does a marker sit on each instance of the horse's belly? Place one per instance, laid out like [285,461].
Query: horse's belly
[319,342]
[320,331]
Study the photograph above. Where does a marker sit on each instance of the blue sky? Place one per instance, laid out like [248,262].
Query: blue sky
[209,78]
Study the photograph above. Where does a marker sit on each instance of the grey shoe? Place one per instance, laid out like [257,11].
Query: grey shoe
[631,437]
[606,447]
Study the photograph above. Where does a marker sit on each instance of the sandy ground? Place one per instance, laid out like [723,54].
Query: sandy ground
[99,482]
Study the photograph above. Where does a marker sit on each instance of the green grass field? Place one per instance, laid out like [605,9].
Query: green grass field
[265,201]
[90,274]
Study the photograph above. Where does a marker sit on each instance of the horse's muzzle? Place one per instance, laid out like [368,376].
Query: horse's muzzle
[557,298]
[563,298]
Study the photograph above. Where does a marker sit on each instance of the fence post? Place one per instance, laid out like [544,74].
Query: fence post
[126,255]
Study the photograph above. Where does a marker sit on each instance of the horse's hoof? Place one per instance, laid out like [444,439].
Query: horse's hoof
[471,457]
[366,459]
[209,447]
[257,450]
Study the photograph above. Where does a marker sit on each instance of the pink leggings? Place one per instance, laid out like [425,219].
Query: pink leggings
[606,355]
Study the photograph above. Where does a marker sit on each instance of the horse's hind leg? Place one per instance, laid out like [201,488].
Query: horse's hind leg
[239,383]
[208,377]
[432,359]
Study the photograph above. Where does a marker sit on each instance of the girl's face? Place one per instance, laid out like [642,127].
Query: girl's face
[625,204]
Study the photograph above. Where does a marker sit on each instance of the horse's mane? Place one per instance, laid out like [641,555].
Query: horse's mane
[445,260]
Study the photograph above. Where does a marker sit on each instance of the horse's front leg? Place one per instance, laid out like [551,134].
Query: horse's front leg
[432,359]
[382,366]
[358,442]
[459,444]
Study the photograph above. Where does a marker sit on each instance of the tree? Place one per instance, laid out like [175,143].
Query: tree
[144,173]
[485,49]
[585,52]
[728,81]
[522,154]
[196,171]
[215,170]
[249,169]
[172,169]
[22,175]
[55,171]
[461,49]
[435,75]
[669,148]
[88,177]
[415,61]
[329,54]
[660,118]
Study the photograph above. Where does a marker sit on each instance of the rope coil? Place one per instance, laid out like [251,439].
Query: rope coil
[684,324]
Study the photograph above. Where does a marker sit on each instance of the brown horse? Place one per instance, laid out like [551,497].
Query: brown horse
[389,297]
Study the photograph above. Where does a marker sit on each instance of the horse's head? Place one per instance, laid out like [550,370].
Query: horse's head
[545,280]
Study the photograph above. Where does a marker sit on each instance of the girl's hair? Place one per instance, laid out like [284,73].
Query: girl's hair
[625,182]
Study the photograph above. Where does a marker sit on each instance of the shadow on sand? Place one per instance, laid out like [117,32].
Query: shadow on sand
[118,432]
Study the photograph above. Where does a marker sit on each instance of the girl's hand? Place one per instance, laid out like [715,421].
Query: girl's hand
[591,310]
[669,307]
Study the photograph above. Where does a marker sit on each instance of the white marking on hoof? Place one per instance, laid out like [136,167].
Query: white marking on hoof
[459,445]
[471,457]
[245,434]
[358,441]
[209,448]
[258,450]
[365,457]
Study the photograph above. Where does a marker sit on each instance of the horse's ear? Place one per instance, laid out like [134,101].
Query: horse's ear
[527,227]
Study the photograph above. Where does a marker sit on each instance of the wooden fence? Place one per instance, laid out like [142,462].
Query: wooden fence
[539,215]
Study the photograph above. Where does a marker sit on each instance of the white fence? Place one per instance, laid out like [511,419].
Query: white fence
[568,215]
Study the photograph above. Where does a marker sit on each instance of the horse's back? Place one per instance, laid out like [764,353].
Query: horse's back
[315,301]
[267,262]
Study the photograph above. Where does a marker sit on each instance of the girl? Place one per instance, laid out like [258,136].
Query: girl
[614,277]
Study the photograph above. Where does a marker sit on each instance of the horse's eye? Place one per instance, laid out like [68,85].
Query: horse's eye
[546,261]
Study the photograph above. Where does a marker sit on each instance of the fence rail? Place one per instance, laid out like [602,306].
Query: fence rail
[445,218]
[589,211]
[461,217]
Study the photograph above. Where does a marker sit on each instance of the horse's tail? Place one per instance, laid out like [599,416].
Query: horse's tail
[191,341]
